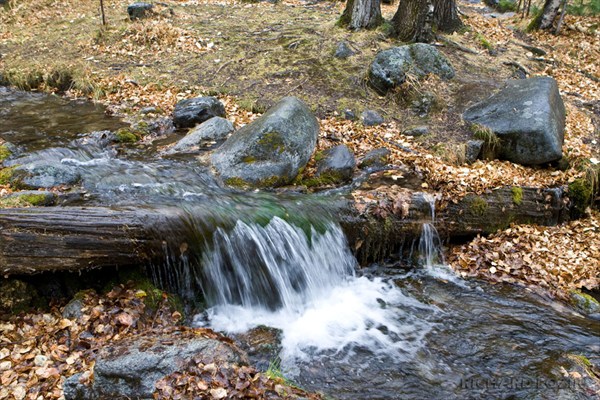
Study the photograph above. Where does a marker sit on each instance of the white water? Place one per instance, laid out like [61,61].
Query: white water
[275,276]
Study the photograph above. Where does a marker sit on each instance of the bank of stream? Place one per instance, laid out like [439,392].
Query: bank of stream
[385,331]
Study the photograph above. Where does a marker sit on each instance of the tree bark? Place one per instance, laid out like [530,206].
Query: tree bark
[446,17]
[362,14]
[34,240]
[545,20]
[415,20]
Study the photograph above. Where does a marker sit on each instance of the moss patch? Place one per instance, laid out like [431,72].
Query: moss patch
[580,193]
[6,175]
[478,206]
[517,195]
[4,153]
[272,142]
[125,135]
[236,182]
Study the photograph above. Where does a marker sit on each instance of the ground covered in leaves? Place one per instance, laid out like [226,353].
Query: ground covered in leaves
[39,350]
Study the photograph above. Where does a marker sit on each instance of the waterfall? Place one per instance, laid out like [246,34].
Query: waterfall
[275,266]
[430,245]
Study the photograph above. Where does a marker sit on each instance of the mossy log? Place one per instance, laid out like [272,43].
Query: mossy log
[39,239]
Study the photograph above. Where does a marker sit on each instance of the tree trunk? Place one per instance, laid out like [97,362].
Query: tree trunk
[446,15]
[360,14]
[546,19]
[410,21]
[34,240]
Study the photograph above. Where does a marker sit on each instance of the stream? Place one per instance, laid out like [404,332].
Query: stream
[281,260]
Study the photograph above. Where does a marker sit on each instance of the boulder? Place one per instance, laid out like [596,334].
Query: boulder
[138,10]
[336,164]
[376,158]
[129,369]
[271,150]
[417,131]
[392,65]
[343,51]
[190,112]
[214,129]
[528,116]
[371,118]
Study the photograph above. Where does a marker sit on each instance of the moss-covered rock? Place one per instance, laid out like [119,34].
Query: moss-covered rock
[580,194]
[271,150]
[584,302]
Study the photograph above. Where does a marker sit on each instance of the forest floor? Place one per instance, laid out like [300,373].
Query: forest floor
[250,55]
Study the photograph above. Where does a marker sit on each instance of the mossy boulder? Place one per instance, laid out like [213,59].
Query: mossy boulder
[528,117]
[391,66]
[271,150]
[188,113]
[336,162]
[44,175]
[139,10]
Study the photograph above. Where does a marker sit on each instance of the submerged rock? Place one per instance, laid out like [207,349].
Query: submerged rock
[336,164]
[391,66]
[45,176]
[188,113]
[138,10]
[528,116]
[129,369]
[271,150]
[214,129]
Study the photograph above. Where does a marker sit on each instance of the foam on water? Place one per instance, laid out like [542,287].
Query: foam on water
[276,276]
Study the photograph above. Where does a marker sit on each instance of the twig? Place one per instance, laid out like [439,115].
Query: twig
[296,87]
[102,12]
[458,46]
[517,65]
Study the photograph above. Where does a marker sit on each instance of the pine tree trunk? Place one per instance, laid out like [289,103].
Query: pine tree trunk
[411,19]
[360,14]
[446,15]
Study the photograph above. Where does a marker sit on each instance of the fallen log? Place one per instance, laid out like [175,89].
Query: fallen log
[39,239]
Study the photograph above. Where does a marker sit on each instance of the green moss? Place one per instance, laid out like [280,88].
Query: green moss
[272,141]
[124,135]
[236,182]
[249,159]
[319,156]
[581,195]
[478,206]
[4,153]
[483,42]
[506,5]
[269,182]
[6,175]
[584,302]
[325,179]
[517,195]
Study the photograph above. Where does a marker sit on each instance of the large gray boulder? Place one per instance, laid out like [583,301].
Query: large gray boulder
[528,116]
[130,369]
[419,59]
[271,150]
[214,129]
[190,112]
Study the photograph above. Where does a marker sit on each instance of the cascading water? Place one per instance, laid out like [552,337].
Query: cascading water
[302,281]
[430,245]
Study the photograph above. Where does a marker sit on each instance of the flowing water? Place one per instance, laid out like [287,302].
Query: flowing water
[283,261]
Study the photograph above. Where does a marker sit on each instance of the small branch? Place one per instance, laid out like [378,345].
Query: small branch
[562,17]
[458,46]
[102,12]
[517,66]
